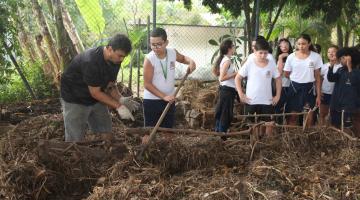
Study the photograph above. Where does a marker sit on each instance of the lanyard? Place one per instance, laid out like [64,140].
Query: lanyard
[164,69]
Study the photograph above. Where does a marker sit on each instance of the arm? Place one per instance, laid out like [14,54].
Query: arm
[280,65]
[223,72]
[238,81]
[113,91]
[278,86]
[287,74]
[186,60]
[318,86]
[101,96]
[148,76]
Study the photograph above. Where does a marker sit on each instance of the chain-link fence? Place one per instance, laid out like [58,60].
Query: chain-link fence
[190,40]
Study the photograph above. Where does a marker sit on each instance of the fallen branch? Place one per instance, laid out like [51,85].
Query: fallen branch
[345,134]
[144,131]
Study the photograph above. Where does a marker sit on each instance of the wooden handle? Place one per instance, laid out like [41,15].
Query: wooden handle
[163,114]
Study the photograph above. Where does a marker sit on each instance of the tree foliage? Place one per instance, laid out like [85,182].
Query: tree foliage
[92,13]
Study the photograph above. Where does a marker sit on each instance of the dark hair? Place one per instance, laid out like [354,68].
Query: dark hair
[278,50]
[159,32]
[224,49]
[307,38]
[317,48]
[353,52]
[120,42]
[259,37]
[262,45]
[334,46]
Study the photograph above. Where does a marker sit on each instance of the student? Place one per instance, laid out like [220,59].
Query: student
[270,57]
[326,86]
[283,51]
[159,79]
[225,70]
[303,69]
[346,94]
[259,72]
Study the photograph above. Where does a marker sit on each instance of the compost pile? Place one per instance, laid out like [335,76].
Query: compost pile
[36,164]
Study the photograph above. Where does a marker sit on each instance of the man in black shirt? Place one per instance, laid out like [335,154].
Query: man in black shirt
[88,87]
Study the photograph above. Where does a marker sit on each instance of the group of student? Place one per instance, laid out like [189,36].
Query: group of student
[293,82]
[287,83]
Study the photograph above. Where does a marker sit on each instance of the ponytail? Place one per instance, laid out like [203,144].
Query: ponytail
[216,67]
[224,48]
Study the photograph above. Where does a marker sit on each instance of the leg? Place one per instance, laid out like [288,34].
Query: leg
[75,121]
[100,121]
[152,112]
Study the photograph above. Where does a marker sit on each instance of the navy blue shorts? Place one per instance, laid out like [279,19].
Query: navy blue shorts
[153,109]
[299,95]
[325,99]
[259,109]
[279,108]
[335,117]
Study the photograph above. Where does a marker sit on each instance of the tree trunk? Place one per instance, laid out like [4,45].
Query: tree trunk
[47,68]
[346,38]
[339,35]
[26,42]
[49,41]
[67,50]
[275,19]
[247,22]
[70,28]
[17,67]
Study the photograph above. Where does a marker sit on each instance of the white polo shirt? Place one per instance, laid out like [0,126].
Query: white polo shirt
[258,87]
[328,87]
[164,73]
[302,70]
[230,70]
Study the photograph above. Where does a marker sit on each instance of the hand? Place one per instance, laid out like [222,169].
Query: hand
[283,55]
[191,68]
[318,101]
[244,98]
[169,98]
[275,100]
[145,139]
[129,103]
[125,113]
[348,62]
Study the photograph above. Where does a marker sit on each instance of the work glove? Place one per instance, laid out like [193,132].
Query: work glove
[129,103]
[125,113]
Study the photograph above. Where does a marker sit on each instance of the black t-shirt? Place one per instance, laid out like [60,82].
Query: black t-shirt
[87,69]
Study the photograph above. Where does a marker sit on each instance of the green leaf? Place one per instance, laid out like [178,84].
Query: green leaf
[243,38]
[91,11]
[225,37]
[213,42]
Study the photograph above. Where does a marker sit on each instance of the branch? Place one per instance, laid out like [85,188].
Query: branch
[275,19]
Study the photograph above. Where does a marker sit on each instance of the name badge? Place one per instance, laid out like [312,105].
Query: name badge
[268,74]
[172,65]
[311,65]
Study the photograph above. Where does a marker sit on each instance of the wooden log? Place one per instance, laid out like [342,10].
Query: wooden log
[144,131]
[270,115]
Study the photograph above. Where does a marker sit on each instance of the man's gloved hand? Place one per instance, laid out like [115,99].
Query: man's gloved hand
[125,113]
[129,103]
